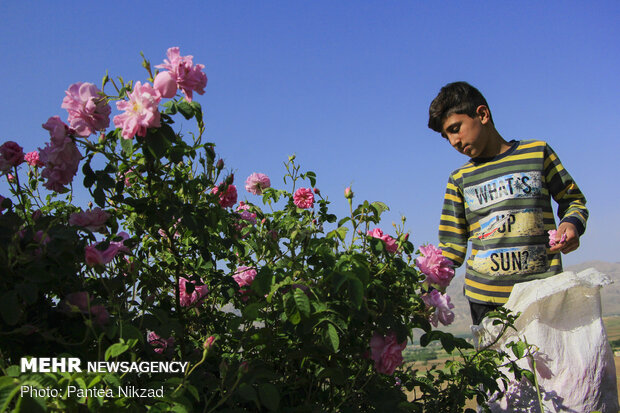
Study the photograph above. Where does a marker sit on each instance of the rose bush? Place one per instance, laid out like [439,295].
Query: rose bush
[290,309]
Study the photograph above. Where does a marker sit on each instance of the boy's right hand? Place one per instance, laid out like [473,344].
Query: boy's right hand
[571,243]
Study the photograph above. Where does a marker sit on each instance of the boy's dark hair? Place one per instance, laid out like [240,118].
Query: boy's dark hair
[457,97]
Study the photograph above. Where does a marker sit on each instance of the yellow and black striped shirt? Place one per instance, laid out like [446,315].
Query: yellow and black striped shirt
[503,206]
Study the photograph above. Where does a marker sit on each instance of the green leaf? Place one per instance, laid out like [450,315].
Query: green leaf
[340,232]
[127,146]
[302,301]
[157,141]
[379,207]
[331,335]
[356,291]
[529,375]
[185,109]
[6,395]
[269,396]
[263,281]
[295,318]
[518,349]
[10,310]
[312,177]
[115,350]
[250,311]
[247,392]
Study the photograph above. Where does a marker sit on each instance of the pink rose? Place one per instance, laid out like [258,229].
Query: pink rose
[257,183]
[79,299]
[82,301]
[244,213]
[93,220]
[88,110]
[244,276]
[553,234]
[386,352]
[187,299]
[61,157]
[442,305]
[57,128]
[11,155]
[165,84]
[390,243]
[228,198]
[189,78]
[32,159]
[140,113]
[94,256]
[160,345]
[303,198]
[101,315]
[437,268]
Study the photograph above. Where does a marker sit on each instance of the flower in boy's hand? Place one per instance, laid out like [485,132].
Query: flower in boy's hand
[553,234]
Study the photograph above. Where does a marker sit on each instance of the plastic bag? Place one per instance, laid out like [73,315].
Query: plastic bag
[575,369]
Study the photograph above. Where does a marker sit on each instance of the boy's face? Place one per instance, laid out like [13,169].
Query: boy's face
[467,135]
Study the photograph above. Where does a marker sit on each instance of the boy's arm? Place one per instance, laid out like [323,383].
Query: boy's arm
[453,232]
[572,209]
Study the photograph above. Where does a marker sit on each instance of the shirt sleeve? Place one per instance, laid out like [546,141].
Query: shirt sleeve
[571,202]
[453,232]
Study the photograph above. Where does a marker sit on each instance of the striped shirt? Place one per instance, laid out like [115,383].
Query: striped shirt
[503,206]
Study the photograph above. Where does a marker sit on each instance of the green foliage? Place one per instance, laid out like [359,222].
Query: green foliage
[296,339]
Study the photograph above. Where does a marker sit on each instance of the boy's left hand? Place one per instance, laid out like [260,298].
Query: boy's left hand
[572,238]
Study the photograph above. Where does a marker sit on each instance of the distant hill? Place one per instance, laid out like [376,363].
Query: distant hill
[610,295]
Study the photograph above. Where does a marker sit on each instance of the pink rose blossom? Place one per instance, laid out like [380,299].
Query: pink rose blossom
[94,256]
[189,78]
[10,177]
[303,198]
[187,299]
[437,268]
[227,198]
[88,110]
[82,301]
[244,213]
[390,243]
[11,155]
[442,305]
[60,158]
[160,345]
[32,159]
[553,234]
[257,183]
[140,113]
[386,352]
[244,276]
[209,343]
[93,220]
[100,313]
[165,84]
[57,128]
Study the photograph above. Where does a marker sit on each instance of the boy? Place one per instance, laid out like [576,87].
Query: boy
[500,200]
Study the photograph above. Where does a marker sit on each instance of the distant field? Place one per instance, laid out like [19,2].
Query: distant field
[612,325]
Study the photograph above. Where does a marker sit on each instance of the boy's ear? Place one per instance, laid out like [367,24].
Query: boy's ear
[483,113]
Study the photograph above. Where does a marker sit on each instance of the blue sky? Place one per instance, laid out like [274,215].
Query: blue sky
[346,87]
